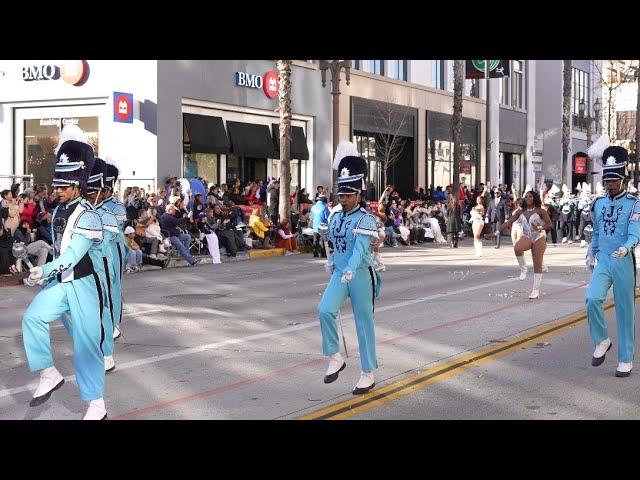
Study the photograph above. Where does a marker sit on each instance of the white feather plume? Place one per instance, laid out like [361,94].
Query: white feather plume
[554,190]
[344,149]
[71,132]
[598,147]
[599,188]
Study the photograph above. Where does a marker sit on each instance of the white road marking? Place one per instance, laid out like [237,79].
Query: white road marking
[233,341]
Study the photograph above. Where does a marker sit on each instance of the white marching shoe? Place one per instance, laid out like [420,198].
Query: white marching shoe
[109,364]
[478,248]
[50,381]
[96,410]
[116,333]
[365,383]
[624,369]
[336,365]
[523,267]
[583,243]
[564,239]
[599,353]
[523,273]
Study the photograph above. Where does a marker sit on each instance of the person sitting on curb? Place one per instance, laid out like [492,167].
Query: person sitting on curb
[178,239]
[137,257]
[259,227]
[285,239]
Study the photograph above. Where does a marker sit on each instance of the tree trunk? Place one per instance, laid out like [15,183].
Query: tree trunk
[566,118]
[458,85]
[284,103]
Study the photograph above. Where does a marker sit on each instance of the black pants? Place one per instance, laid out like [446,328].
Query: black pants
[566,229]
[151,261]
[227,239]
[452,237]
[416,234]
[554,232]
[496,232]
[583,223]
[318,246]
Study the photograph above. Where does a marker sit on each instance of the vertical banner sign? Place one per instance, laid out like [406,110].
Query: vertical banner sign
[476,68]
[580,165]
[122,107]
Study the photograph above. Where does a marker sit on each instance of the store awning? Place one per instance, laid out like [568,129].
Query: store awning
[205,134]
[250,140]
[298,144]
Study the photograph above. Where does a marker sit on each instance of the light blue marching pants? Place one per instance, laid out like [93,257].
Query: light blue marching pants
[619,273]
[116,268]
[81,301]
[361,289]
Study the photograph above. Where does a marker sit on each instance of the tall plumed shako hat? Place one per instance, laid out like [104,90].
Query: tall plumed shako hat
[111,174]
[75,159]
[614,159]
[96,180]
[352,169]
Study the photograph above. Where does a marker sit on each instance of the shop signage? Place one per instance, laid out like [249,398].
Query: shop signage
[122,107]
[465,166]
[477,68]
[580,165]
[74,72]
[267,82]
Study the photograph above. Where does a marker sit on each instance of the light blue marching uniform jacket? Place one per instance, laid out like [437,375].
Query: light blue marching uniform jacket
[120,252]
[616,223]
[350,235]
[77,289]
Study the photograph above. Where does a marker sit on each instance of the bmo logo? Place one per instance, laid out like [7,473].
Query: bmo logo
[122,107]
[267,82]
[74,72]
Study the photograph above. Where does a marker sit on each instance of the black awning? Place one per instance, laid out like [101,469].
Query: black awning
[298,144]
[205,134]
[250,140]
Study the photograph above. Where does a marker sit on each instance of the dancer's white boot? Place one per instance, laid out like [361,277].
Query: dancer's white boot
[523,267]
[478,248]
[537,279]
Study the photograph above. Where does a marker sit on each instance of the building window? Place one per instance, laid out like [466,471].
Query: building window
[41,138]
[579,92]
[203,165]
[437,74]
[366,145]
[504,90]
[518,84]
[472,88]
[355,64]
[400,69]
[376,67]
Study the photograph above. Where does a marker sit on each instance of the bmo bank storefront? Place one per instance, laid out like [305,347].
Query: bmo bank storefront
[212,119]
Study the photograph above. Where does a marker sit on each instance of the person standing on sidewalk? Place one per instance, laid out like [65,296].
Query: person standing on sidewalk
[351,231]
[497,213]
[616,231]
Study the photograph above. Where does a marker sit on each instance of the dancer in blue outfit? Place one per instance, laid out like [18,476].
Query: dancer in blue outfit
[121,250]
[351,231]
[110,257]
[616,231]
[75,285]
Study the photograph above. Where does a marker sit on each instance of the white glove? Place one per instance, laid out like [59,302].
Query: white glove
[36,274]
[621,252]
[328,267]
[347,277]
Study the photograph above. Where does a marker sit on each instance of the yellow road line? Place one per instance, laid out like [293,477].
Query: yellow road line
[413,383]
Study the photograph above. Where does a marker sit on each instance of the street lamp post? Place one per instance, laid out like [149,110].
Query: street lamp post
[335,66]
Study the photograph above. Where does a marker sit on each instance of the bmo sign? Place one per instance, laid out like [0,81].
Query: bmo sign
[267,82]
[74,72]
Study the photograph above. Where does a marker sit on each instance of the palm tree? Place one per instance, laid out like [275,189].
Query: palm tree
[284,104]
[458,84]
[566,117]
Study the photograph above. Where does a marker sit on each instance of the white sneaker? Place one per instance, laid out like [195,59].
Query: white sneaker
[109,364]
[570,242]
[365,383]
[535,293]
[116,333]
[523,273]
[336,365]
[601,349]
[624,369]
[564,239]
[50,381]
[583,243]
[96,410]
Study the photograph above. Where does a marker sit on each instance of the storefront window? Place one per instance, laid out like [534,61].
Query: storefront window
[203,165]
[41,137]
[298,172]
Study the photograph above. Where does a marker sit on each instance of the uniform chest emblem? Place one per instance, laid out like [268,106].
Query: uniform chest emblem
[610,218]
